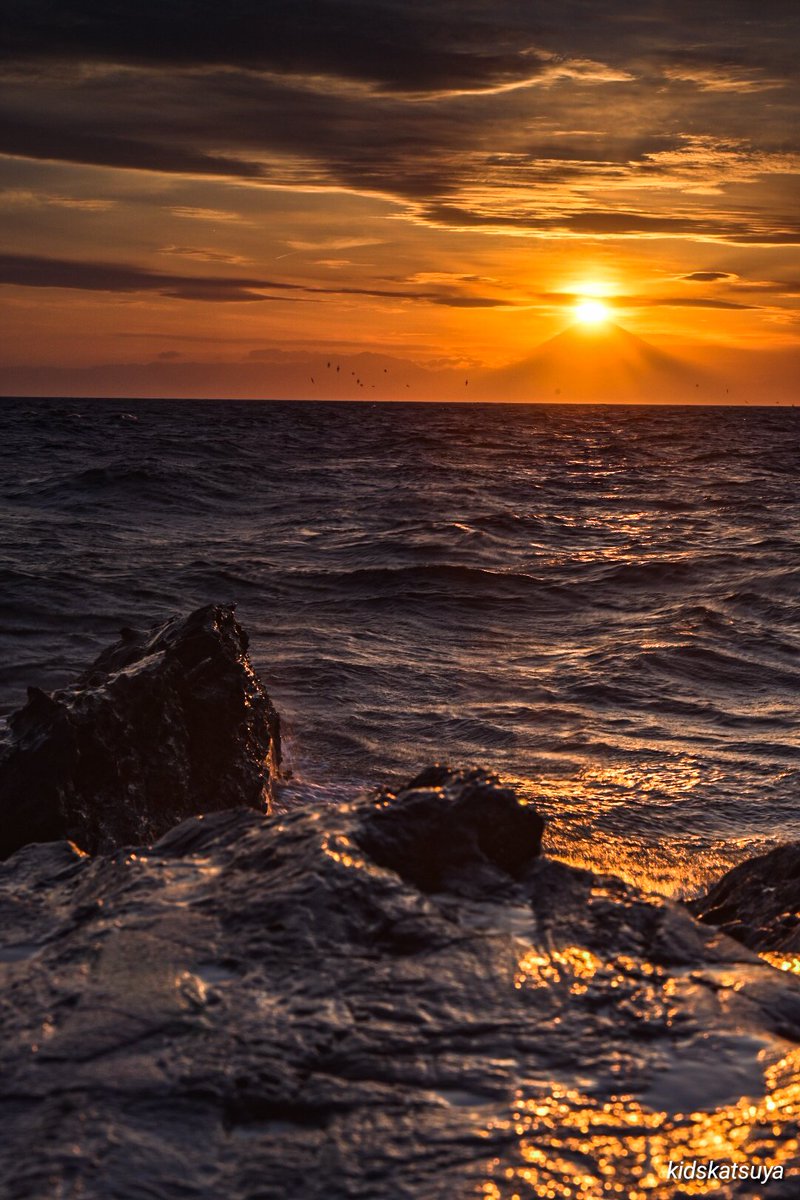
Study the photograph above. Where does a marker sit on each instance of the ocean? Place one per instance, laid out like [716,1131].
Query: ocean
[599,603]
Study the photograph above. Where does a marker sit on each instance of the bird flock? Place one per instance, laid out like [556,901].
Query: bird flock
[336,368]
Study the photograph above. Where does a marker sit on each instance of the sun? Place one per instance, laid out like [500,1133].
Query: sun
[589,311]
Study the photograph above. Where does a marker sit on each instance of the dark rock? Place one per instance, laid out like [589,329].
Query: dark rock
[164,724]
[260,1009]
[758,902]
[449,826]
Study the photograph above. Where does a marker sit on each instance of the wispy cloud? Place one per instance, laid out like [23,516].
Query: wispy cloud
[39,272]
[25,198]
[334,243]
[213,215]
[204,254]
[722,79]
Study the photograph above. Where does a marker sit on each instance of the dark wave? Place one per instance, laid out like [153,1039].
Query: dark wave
[447,576]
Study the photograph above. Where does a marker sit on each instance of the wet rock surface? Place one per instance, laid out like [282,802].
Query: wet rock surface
[453,829]
[758,902]
[260,1008]
[164,724]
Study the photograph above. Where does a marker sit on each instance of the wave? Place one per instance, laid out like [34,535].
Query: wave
[559,590]
[425,577]
[673,572]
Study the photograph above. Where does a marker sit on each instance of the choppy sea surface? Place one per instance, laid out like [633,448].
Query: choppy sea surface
[601,604]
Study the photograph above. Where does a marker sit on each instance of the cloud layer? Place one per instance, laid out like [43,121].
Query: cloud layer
[588,117]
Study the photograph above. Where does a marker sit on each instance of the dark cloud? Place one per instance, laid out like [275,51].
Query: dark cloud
[778,287]
[403,46]
[59,139]
[471,302]
[623,301]
[416,101]
[591,223]
[400,44]
[690,302]
[34,271]
[707,276]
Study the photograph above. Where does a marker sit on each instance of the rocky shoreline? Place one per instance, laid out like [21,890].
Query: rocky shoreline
[399,997]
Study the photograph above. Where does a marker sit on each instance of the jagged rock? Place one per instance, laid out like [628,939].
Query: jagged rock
[164,724]
[259,1009]
[758,902]
[449,826]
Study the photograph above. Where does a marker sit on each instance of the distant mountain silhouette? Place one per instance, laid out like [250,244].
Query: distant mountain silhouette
[605,363]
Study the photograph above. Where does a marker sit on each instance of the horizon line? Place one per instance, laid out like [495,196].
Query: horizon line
[405,400]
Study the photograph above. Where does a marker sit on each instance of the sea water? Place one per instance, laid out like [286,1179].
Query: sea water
[599,603]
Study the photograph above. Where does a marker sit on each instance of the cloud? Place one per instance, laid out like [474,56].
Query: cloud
[204,254]
[214,215]
[590,118]
[690,302]
[395,46]
[57,139]
[721,79]
[472,302]
[334,264]
[780,287]
[590,223]
[707,276]
[33,271]
[335,243]
[22,198]
[567,299]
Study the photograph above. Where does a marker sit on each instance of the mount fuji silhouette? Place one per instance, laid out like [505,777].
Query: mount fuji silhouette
[606,364]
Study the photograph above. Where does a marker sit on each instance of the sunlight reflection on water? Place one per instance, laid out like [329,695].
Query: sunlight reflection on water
[583,829]
[576,1148]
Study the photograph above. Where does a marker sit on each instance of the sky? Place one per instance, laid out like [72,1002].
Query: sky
[203,198]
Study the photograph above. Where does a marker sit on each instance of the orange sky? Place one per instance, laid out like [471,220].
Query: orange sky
[218,205]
